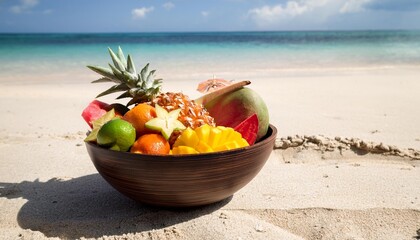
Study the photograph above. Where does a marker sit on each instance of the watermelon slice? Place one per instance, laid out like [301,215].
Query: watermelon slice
[94,110]
[249,129]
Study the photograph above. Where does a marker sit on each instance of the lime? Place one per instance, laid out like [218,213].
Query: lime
[117,135]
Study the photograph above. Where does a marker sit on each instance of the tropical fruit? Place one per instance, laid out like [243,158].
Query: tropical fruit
[249,129]
[188,126]
[143,87]
[165,122]
[93,111]
[191,115]
[140,87]
[97,109]
[232,108]
[117,135]
[206,139]
[98,123]
[138,116]
[151,144]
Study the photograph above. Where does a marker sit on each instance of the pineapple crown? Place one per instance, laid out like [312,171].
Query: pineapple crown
[141,87]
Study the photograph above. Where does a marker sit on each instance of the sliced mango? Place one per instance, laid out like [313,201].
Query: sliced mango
[226,131]
[183,150]
[234,136]
[203,132]
[207,139]
[203,147]
[243,142]
[214,137]
[188,138]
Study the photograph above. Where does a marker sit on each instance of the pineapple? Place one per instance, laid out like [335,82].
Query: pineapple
[192,114]
[143,87]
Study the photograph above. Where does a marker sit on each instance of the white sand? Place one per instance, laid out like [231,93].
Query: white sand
[50,189]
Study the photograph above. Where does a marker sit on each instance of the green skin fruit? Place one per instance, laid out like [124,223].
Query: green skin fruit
[232,108]
[117,135]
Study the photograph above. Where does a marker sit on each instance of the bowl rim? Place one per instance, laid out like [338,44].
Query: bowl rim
[266,139]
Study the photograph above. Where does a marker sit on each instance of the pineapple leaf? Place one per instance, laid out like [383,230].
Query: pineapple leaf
[140,81]
[138,98]
[121,57]
[113,89]
[106,72]
[140,86]
[150,76]
[117,63]
[118,73]
[130,65]
[133,101]
[143,72]
[130,76]
[104,79]
[158,83]
[124,95]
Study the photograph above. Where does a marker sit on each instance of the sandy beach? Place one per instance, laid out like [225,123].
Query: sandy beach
[346,164]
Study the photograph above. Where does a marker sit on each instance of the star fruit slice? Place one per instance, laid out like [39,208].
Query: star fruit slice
[165,122]
[98,123]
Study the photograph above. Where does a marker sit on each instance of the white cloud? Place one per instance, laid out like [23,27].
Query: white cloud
[354,6]
[168,5]
[24,6]
[141,12]
[205,13]
[290,9]
[271,13]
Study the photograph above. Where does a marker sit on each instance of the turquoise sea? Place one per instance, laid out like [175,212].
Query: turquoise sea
[210,52]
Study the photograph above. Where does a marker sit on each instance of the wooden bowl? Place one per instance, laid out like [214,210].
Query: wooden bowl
[182,180]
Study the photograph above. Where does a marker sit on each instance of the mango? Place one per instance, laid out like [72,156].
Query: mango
[207,139]
[232,108]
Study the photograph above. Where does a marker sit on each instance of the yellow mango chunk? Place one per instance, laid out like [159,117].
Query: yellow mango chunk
[203,147]
[234,136]
[187,138]
[226,131]
[232,145]
[215,137]
[227,146]
[203,132]
[221,148]
[205,139]
[242,142]
[183,150]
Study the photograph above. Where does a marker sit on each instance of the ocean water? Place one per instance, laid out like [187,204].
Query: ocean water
[216,53]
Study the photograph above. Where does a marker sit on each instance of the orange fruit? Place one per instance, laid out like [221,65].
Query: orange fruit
[138,116]
[151,143]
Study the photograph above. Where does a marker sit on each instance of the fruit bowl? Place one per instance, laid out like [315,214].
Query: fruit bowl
[182,180]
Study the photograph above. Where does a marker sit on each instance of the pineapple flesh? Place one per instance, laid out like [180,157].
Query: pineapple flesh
[192,115]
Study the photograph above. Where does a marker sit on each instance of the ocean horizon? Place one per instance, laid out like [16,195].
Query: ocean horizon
[210,52]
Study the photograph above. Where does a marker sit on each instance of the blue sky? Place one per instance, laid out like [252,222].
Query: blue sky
[214,15]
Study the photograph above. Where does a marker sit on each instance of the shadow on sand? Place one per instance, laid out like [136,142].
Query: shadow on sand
[88,207]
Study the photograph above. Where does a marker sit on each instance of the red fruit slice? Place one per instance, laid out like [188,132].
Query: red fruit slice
[94,110]
[249,129]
